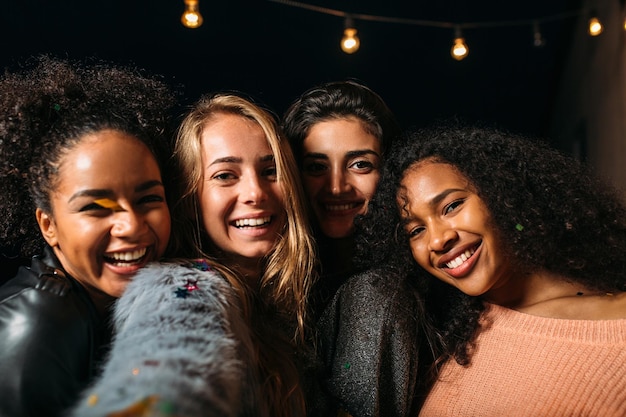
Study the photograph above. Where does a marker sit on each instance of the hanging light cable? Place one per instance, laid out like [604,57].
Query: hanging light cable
[459,49]
[191,18]
[350,42]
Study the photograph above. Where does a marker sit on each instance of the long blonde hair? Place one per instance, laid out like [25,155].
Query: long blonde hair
[289,270]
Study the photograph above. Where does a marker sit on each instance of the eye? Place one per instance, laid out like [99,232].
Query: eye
[363,166]
[152,198]
[224,176]
[270,173]
[452,206]
[92,207]
[411,227]
[415,231]
[314,168]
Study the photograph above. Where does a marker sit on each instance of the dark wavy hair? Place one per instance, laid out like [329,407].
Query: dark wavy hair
[48,104]
[339,100]
[551,212]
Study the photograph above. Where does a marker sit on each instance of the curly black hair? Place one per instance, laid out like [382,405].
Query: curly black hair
[549,209]
[48,104]
[337,100]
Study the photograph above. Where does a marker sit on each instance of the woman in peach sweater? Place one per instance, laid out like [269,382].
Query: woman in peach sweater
[524,254]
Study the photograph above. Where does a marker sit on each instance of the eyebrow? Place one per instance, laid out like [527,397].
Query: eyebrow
[407,218]
[101,193]
[226,159]
[442,195]
[349,154]
[236,160]
[361,152]
[315,155]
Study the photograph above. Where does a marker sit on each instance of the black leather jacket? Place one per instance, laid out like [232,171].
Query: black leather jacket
[51,340]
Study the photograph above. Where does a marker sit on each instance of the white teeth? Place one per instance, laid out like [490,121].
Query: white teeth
[252,222]
[339,207]
[458,261]
[128,256]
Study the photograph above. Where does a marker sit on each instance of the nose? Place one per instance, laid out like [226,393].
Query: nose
[338,181]
[127,223]
[442,237]
[253,191]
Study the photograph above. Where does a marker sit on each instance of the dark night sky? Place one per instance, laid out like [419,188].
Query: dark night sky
[273,51]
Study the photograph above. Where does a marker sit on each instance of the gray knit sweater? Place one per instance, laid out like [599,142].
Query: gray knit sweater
[180,349]
[369,338]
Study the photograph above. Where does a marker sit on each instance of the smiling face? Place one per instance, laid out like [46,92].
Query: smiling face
[109,215]
[340,173]
[240,199]
[450,232]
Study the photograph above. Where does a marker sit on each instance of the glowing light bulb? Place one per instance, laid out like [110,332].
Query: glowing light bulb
[191,18]
[459,49]
[595,27]
[538,40]
[350,42]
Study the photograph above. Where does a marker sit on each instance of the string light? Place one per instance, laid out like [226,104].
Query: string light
[459,49]
[350,42]
[595,26]
[538,39]
[459,45]
[191,17]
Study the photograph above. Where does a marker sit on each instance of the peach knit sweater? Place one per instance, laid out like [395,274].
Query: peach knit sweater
[532,366]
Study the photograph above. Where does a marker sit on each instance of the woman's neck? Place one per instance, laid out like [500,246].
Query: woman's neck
[101,300]
[251,270]
[336,255]
[547,294]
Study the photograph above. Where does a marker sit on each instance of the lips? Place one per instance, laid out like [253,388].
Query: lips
[461,261]
[126,258]
[458,261]
[341,207]
[252,222]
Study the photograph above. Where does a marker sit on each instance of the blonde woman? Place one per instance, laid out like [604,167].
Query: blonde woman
[282,267]
[244,206]
[241,210]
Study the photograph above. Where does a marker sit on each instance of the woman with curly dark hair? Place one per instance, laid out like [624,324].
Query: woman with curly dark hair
[82,149]
[523,253]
